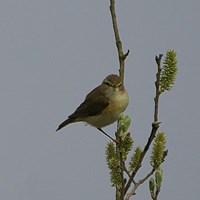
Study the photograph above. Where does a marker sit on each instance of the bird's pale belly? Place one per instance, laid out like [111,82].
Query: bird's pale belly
[117,105]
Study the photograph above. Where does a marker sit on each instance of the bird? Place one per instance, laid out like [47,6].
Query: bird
[102,106]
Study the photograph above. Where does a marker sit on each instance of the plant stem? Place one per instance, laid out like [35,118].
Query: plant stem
[155,124]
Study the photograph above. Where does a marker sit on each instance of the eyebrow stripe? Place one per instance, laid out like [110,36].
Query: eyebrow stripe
[109,83]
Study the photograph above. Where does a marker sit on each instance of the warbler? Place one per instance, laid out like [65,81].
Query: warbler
[102,105]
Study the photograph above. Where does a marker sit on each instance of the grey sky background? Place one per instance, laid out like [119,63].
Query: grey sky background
[52,53]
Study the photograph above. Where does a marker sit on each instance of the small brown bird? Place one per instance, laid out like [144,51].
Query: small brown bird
[102,105]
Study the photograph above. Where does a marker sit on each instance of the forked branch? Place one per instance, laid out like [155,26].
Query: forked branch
[121,55]
[155,124]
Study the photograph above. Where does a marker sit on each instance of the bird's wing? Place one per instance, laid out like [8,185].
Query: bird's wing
[95,102]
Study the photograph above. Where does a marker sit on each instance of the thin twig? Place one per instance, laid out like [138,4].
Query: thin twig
[157,84]
[155,124]
[157,192]
[121,55]
[152,135]
[136,185]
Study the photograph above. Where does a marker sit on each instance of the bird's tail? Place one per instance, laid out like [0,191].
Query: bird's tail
[65,123]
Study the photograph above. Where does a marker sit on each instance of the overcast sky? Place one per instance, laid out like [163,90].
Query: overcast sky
[52,53]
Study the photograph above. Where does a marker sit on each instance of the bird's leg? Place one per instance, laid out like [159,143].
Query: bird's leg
[107,135]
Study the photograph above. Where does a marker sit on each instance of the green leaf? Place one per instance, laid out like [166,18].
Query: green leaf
[159,177]
[152,186]
[123,123]
[127,122]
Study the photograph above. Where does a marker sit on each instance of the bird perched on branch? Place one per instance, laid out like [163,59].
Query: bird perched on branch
[102,105]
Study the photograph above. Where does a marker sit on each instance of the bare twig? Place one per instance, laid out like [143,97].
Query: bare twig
[157,84]
[154,196]
[152,135]
[155,124]
[121,55]
[157,192]
[136,185]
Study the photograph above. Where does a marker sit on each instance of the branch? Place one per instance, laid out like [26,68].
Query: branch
[157,84]
[132,192]
[121,55]
[155,124]
[155,127]
[121,165]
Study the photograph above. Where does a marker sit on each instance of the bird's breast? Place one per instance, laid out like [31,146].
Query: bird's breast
[117,104]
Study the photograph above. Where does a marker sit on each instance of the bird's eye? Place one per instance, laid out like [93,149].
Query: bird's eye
[107,83]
